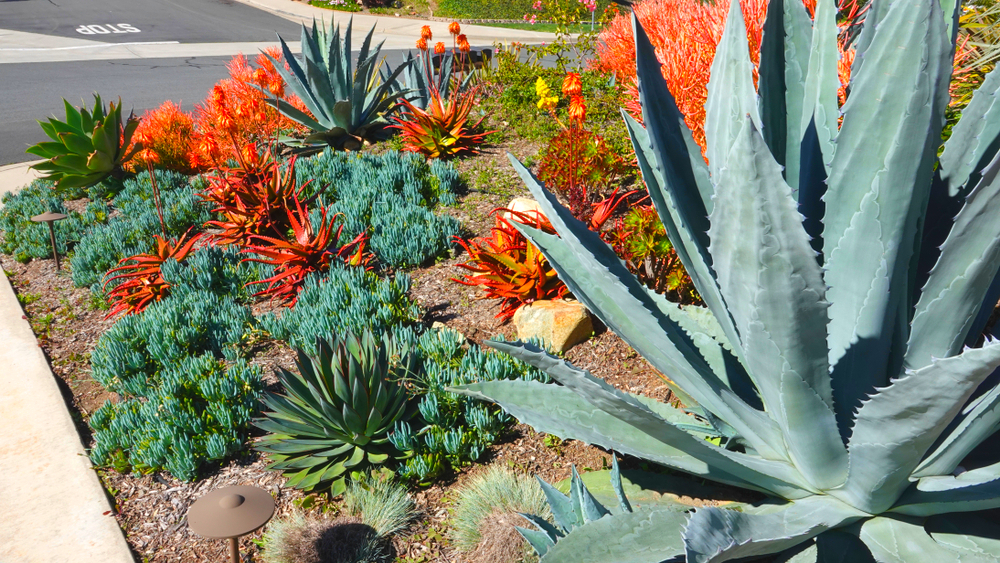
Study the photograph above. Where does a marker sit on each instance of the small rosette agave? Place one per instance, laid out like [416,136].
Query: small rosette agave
[848,267]
[337,412]
[88,147]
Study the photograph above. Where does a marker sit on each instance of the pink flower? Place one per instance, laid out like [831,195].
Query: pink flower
[537,5]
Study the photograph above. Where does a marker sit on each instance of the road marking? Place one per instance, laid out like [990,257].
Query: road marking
[100,45]
[98,29]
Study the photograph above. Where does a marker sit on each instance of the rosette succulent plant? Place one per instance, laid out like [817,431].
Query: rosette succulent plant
[348,105]
[847,271]
[88,147]
[337,412]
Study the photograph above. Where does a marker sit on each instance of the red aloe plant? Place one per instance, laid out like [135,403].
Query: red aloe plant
[442,130]
[510,268]
[308,250]
[144,283]
[253,198]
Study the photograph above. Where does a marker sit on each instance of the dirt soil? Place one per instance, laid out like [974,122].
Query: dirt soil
[151,508]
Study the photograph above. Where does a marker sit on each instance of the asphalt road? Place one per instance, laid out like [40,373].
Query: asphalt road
[35,91]
[123,21]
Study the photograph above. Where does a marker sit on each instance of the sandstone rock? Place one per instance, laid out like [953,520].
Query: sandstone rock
[523,205]
[561,324]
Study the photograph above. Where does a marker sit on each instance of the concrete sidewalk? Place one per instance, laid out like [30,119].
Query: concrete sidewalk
[406,29]
[54,507]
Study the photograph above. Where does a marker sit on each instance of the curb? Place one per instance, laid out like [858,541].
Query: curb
[13,177]
[55,505]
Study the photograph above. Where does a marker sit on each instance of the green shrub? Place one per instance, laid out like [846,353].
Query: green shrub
[198,412]
[456,430]
[497,492]
[26,240]
[347,300]
[129,357]
[131,231]
[391,196]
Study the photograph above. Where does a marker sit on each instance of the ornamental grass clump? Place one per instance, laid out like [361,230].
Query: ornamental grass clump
[842,341]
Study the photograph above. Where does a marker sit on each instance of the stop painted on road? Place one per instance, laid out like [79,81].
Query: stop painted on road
[104,29]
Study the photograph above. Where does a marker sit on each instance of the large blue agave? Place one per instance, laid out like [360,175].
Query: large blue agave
[848,273]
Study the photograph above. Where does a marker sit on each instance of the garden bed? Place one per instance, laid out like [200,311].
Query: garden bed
[172,371]
[151,508]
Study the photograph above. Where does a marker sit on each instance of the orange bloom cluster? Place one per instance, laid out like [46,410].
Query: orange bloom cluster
[684,34]
[169,139]
[463,43]
[235,114]
[572,86]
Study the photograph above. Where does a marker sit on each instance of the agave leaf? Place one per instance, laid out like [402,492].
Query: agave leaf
[972,144]
[556,410]
[103,142]
[634,537]
[682,165]
[539,541]
[597,392]
[878,186]
[894,428]
[819,101]
[967,266]
[716,534]
[812,186]
[978,422]
[76,143]
[731,93]
[670,188]
[73,162]
[601,281]
[73,117]
[978,489]
[587,508]
[99,162]
[319,78]
[296,79]
[616,484]
[966,533]
[784,61]
[832,546]
[768,274]
[46,149]
[561,506]
[896,541]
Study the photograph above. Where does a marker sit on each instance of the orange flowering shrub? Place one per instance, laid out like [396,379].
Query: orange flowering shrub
[684,34]
[234,114]
[169,140]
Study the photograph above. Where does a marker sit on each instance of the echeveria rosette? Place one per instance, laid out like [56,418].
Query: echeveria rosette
[845,304]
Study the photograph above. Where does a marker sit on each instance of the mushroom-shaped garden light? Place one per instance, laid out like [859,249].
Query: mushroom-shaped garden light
[51,217]
[231,512]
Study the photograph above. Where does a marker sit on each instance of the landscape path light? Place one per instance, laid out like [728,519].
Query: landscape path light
[50,217]
[231,512]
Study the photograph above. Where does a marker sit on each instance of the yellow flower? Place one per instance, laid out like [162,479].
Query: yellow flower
[548,102]
[542,89]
